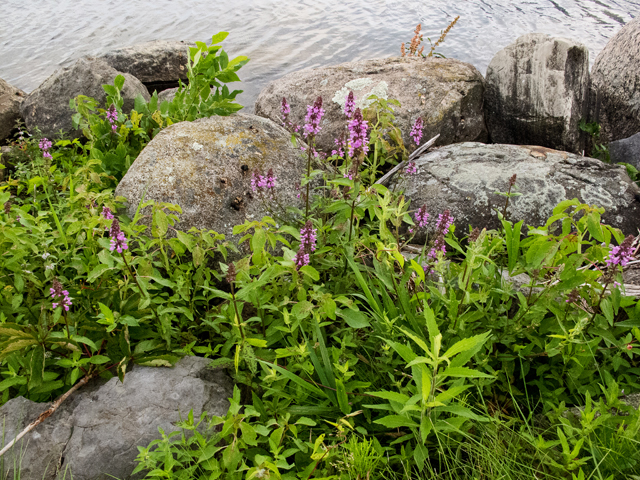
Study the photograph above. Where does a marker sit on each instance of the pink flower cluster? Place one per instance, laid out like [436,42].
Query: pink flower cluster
[313,119]
[45,144]
[350,105]
[422,218]
[260,182]
[416,131]
[411,169]
[112,116]
[445,220]
[622,254]
[106,213]
[307,245]
[118,239]
[57,292]
[358,138]
[340,144]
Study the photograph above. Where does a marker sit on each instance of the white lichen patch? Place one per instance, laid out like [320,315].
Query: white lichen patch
[362,92]
[196,146]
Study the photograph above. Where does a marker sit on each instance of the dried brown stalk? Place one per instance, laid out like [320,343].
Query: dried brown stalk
[442,37]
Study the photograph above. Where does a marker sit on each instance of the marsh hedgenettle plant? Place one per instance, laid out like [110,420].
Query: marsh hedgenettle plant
[112,116]
[350,105]
[118,239]
[622,254]
[445,220]
[416,131]
[313,119]
[45,144]
[358,139]
[263,182]
[106,213]
[411,169]
[57,292]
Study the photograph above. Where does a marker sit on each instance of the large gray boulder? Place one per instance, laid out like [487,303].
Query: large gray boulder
[615,85]
[47,107]
[537,92]
[464,178]
[10,100]
[446,93]
[206,167]
[95,434]
[626,150]
[158,64]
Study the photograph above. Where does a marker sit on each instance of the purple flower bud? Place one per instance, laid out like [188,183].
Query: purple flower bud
[301,259]
[313,118]
[285,110]
[358,138]
[106,213]
[416,131]
[411,169]
[308,237]
[622,254]
[57,292]
[422,217]
[112,114]
[350,105]
[118,239]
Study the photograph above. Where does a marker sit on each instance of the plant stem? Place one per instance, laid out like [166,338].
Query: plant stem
[306,212]
[235,307]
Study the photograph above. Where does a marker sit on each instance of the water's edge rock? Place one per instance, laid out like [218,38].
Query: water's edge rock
[464,178]
[206,167]
[615,80]
[95,433]
[47,107]
[158,64]
[537,92]
[10,100]
[448,95]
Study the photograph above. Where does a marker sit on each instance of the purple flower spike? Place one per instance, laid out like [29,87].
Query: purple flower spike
[308,237]
[301,259]
[358,139]
[261,182]
[106,213]
[622,254]
[112,114]
[422,217]
[445,220]
[285,110]
[118,240]
[416,131]
[411,169]
[45,144]
[313,118]
[58,292]
[350,105]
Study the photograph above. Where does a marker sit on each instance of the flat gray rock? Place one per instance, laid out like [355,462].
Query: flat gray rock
[95,434]
[47,107]
[615,81]
[626,150]
[206,167]
[537,92]
[10,100]
[446,93]
[157,64]
[464,178]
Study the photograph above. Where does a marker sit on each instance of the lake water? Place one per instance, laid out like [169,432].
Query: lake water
[281,36]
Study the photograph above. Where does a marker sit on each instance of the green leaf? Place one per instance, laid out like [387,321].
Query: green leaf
[354,318]
[295,379]
[99,359]
[311,272]
[396,421]
[392,396]
[466,344]
[343,400]
[219,37]
[97,272]
[36,367]
[464,372]
[119,82]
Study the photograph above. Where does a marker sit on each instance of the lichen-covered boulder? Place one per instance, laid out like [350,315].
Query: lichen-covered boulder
[94,435]
[464,178]
[206,167]
[615,85]
[158,64]
[446,93]
[47,107]
[10,100]
[537,92]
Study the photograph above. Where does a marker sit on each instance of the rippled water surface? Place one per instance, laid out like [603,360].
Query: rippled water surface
[280,36]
